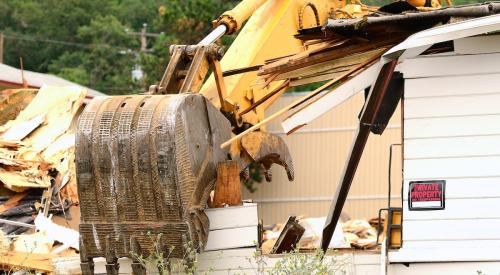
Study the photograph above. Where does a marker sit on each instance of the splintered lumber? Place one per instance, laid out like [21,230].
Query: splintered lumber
[296,103]
[44,127]
[9,144]
[19,181]
[11,202]
[329,69]
[323,56]
[227,185]
[60,104]
[16,223]
[14,260]
[289,236]
[13,102]
[20,131]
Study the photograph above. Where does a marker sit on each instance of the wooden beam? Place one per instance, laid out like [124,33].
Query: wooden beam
[227,185]
[300,101]
[368,116]
[14,260]
[13,201]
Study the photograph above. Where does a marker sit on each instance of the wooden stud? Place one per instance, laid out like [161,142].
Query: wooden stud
[301,100]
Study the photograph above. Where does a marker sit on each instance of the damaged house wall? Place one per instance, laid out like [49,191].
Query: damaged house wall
[319,151]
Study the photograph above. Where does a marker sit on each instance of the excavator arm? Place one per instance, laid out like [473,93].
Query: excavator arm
[146,163]
[268,33]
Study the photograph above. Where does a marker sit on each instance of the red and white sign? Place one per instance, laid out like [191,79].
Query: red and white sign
[426,195]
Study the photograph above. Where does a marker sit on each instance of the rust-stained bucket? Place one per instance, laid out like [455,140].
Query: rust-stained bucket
[145,167]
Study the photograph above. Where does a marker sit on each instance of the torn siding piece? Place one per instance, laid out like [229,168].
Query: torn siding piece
[44,127]
[20,131]
[61,105]
[67,236]
[13,101]
[19,181]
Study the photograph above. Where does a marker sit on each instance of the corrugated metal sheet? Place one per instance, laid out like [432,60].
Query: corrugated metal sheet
[319,151]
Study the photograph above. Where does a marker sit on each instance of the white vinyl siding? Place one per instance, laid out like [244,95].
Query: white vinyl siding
[452,133]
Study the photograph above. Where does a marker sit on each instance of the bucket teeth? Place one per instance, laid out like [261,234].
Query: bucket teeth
[146,165]
[264,149]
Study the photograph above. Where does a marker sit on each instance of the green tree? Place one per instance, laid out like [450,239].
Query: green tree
[87,41]
[104,66]
[182,22]
[41,31]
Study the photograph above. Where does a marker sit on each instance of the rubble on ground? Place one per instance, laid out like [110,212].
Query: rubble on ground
[356,233]
[37,176]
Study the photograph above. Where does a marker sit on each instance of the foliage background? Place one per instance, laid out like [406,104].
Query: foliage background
[88,41]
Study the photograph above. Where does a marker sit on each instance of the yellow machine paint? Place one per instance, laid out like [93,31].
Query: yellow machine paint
[267,34]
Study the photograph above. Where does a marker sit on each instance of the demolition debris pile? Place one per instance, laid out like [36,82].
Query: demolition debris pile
[354,233]
[37,176]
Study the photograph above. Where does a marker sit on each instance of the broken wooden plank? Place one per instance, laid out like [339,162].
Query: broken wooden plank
[20,131]
[301,100]
[324,56]
[13,260]
[342,63]
[16,223]
[10,144]
[13,101]
[227,185]
[60,104]
[289,236]
[13,201]
[20,181]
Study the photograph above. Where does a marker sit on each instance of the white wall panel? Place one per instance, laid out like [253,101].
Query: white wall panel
[443,260]
[475,188]
[452,147]
[452,133]
[429,66]
[472,229]
[453,244]
[485,104]
[452,168]
[451,85]
[458,209]
[452,126]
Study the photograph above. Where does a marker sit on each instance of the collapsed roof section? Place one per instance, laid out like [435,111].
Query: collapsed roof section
[407,19]
[343,49]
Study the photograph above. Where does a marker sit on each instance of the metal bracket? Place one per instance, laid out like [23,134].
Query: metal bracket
[187,68]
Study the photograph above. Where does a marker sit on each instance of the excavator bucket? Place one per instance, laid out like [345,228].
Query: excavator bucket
[145,166]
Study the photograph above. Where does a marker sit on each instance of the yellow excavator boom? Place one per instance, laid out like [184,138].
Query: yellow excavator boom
[147,163]
[268,33]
